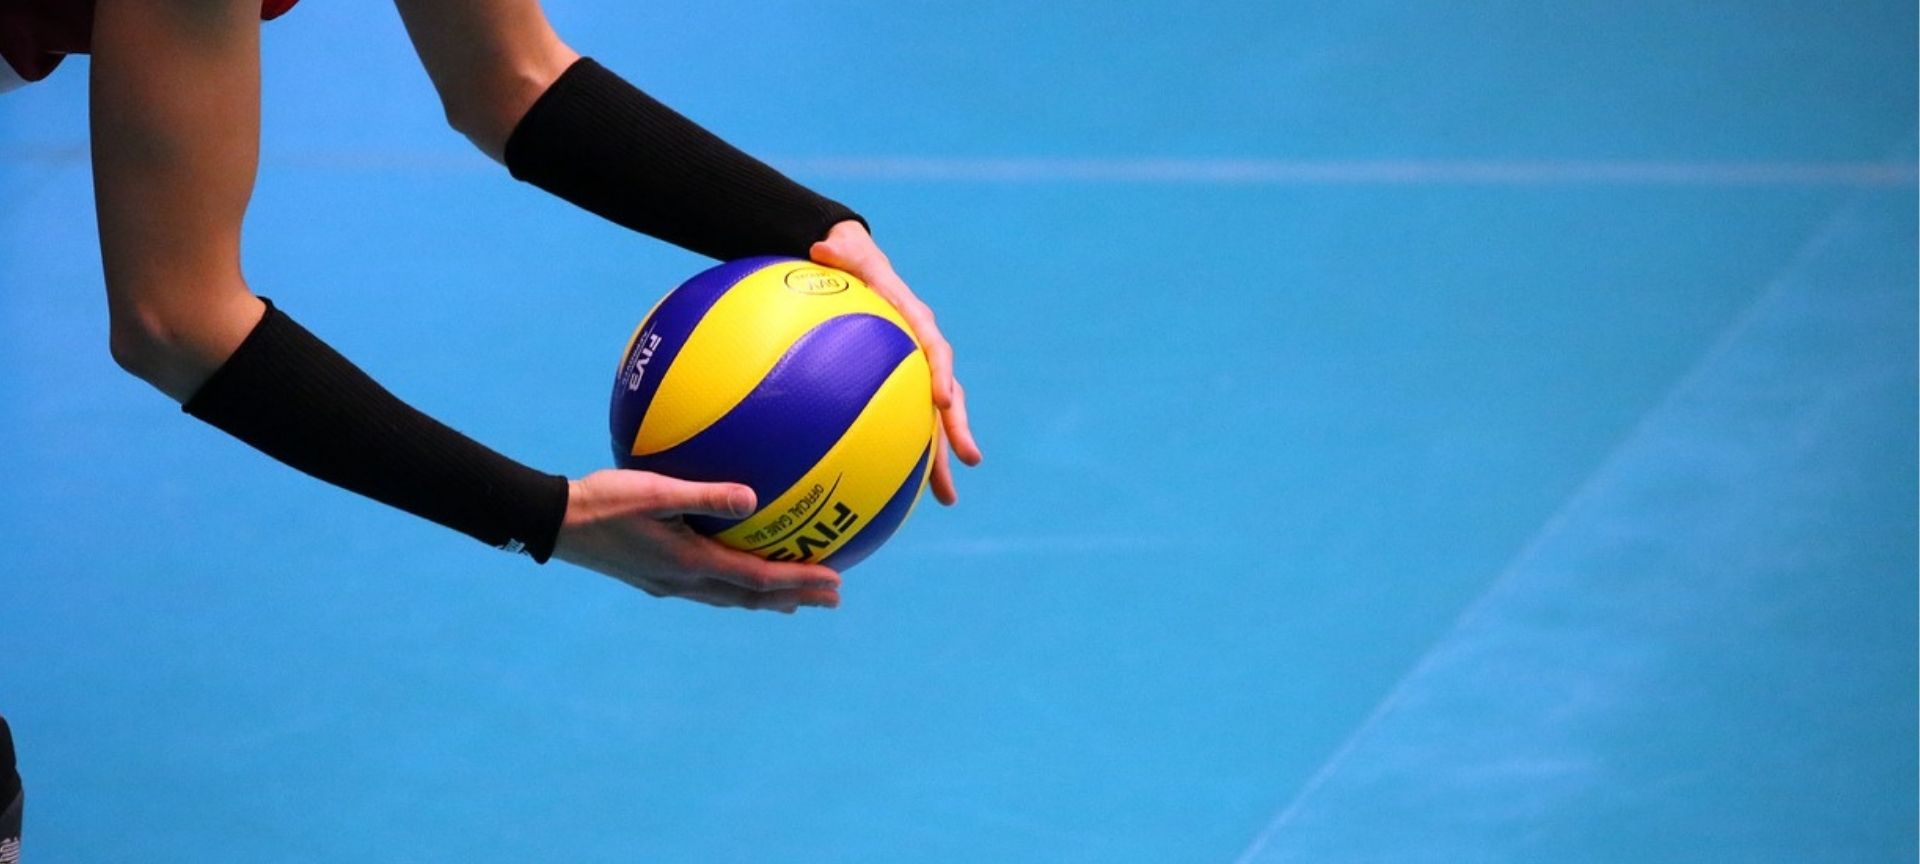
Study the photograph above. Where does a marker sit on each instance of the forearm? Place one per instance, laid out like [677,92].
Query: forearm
[284,392]
[576,130]
[599,142]
[291,396]
[175,113]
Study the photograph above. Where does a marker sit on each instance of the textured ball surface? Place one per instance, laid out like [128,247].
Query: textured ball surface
[791,378]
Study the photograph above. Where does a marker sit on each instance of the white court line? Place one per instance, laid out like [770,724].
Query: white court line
[1722,344]
[1386,172]
[1010,545]
[1159,170]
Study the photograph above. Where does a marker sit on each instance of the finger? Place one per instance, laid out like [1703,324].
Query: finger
[947,392]
[714,593]
[940,363]
[824,253]
[675,497]
[845,257]
[878,275]
[728,597]
[939,353]
[954,421]
[753,573]
[653,588]
[942,481]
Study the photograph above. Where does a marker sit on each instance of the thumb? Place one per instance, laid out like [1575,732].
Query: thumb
[824,252]
[685,497]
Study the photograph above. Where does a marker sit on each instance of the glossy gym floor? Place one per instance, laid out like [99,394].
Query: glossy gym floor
[1415,432]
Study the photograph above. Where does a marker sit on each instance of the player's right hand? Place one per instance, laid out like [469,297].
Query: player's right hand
[628,525]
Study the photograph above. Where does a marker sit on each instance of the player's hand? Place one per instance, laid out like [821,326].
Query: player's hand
[850,248]
[628,525]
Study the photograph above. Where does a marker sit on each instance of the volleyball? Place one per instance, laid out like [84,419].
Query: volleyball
[794,379]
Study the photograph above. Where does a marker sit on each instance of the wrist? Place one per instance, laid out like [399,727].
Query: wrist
[850,229]
[570,519]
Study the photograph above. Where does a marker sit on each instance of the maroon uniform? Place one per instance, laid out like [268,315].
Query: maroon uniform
[36,34]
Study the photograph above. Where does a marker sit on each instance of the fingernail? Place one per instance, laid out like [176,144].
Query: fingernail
[741,502]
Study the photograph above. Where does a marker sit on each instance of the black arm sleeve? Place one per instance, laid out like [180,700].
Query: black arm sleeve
[290,396]
[597,141]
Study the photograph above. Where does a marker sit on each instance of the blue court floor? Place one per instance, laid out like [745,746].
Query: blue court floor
[1415,431]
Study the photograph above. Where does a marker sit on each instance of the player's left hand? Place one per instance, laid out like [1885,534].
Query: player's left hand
[850,248]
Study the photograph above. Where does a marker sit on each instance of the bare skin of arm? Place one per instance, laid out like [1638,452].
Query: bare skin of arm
[175,101]
[490,59]
[175,108]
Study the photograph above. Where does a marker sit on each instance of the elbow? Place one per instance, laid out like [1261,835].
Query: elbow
[486,108]
[151,348]
[175,348]
[134,350]
[463,112]
[479,123]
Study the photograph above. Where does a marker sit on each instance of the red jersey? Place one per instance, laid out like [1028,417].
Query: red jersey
[36,34]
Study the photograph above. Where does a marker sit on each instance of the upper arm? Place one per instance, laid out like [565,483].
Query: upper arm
[175,109]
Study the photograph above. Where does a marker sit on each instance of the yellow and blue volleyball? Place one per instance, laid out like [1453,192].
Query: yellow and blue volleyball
[791,378]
